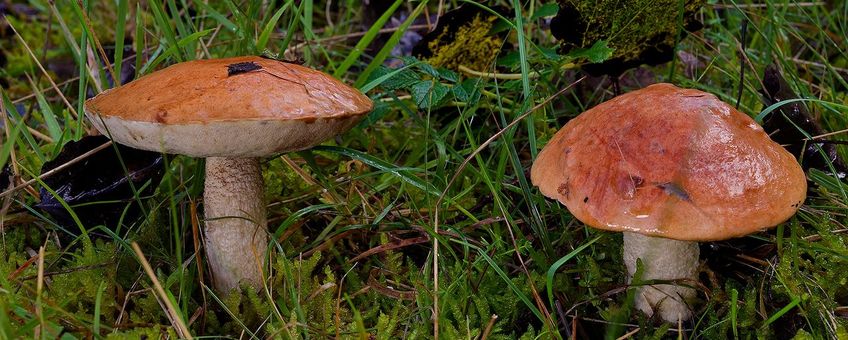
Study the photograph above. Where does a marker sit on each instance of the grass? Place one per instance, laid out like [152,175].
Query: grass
[431,187]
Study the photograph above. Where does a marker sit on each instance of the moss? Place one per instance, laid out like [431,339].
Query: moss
[641,31]
[470,45]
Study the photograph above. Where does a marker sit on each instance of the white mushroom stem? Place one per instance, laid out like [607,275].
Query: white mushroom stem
[662,259]
[236,235]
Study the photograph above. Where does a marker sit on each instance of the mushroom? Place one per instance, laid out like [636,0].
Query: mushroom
[232,112]
[669,167]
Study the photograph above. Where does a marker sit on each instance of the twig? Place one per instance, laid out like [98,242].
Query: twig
[628,334]
[489,327]
[39,288]
[796,4]
[503,76]
[176,321]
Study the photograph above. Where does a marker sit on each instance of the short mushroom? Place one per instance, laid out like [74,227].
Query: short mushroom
[669,167]
[232,112]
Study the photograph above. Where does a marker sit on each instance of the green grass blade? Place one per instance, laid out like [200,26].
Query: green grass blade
[218,16]
[10,142]
[139,40]
[515,290]
[262,42]
[387,49]
[97,304]
[372,161]
[163,22]
[175,49]
[369,36]
[53,128]
[549,278]
[120,28]
[291,29]
[794,303]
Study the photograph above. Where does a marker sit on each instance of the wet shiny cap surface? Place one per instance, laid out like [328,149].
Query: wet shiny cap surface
[670,162]
[241,88]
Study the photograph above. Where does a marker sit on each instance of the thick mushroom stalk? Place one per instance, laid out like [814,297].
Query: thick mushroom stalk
[662,259]
[236,235]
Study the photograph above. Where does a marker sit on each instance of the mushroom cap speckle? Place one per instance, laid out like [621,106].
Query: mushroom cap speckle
[670,162]
[234,107]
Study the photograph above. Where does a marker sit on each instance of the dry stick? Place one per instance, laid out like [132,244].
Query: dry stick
[195,232]
[38,63]
[797,4]
[503,76]
[177,322]
[39,287]
[489,327]
[828,134]
[57,169]
[628,334]
[453,179]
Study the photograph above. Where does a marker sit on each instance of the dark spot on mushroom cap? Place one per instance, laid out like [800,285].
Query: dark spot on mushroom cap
[674,189]
[563,189]
[585,199]
[239,68]
[161,115]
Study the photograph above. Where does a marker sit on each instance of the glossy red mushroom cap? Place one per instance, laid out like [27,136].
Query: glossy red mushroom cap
[670,162]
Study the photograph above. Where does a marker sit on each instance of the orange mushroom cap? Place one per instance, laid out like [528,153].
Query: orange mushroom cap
[235,107]
[670,162]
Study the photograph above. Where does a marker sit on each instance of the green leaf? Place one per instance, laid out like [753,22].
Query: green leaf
[378,80]
[401,79]
[547,10]
[428,93]
[379,111]
[467,92]
[598,53]
[448,75]
[428,69]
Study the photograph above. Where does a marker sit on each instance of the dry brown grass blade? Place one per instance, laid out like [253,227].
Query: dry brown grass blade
[43,71]
[39,288]
[628,334]
[198,255]
[176,321]
[389,246]
[408,295]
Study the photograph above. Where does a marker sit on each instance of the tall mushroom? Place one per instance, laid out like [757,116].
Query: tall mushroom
[669,167]
[232,112]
